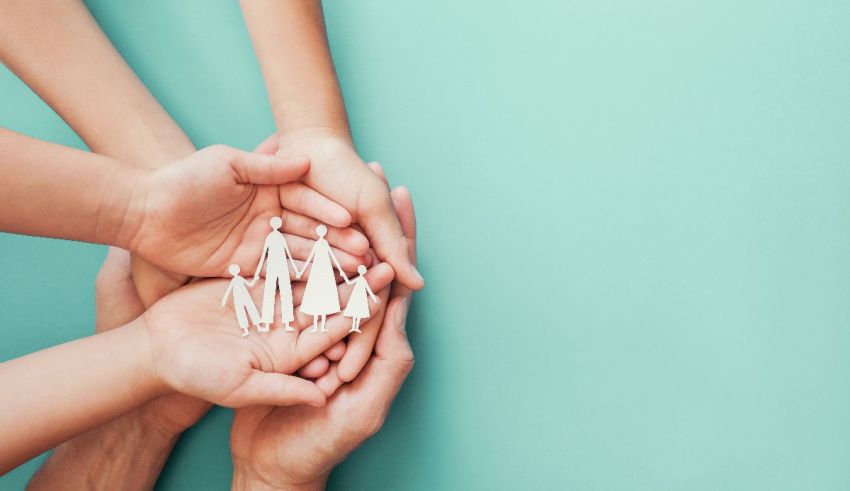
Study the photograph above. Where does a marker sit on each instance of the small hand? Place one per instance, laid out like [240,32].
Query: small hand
[196,349]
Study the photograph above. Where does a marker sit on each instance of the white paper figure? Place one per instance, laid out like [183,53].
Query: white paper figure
[358,304]
[320,295]
[277,277]
[242,301]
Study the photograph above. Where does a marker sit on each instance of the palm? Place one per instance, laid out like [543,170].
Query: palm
[202,235]
[205,339]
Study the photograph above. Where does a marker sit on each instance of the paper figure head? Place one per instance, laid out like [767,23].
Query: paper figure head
[276,223]
[361,269]
[321,230]
[233,269]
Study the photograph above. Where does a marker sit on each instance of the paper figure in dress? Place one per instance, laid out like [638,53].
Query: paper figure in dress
[242,301]
[277,258]
[320,295]
[358,304]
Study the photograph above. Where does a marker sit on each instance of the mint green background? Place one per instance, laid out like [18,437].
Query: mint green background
[634,219]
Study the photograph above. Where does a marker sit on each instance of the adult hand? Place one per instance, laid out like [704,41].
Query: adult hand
[337,172]
[267,441]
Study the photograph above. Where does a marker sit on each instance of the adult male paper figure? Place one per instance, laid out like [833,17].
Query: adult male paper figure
[275,256]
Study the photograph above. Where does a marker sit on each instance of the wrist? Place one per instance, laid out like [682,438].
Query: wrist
[121,213]
[244,479]
[317,132]
[121,454]
[140,348]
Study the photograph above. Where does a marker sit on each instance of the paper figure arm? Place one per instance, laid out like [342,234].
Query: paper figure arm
[306,263]
[291,259]
[338,267]
[262,260]
[226,294]
[369,290]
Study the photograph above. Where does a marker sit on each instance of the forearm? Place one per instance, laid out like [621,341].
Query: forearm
[63,391]
[291,45]
[55,191]
[127,453]
[87,81]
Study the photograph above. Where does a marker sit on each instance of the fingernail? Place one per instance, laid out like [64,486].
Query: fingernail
[401,314]
[418,274]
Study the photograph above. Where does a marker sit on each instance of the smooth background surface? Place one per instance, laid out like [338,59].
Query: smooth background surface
[634,220]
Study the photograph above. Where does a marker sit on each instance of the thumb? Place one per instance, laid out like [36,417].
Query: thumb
[252,168]
[274,389]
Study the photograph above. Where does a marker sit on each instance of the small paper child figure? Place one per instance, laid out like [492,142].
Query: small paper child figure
[358,304]
[242,301]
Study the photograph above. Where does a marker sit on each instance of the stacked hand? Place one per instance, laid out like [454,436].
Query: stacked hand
[196,349]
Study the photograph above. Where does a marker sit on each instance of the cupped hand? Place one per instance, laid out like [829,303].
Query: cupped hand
[196,348]
[266,441]
[337,172]
[297,447]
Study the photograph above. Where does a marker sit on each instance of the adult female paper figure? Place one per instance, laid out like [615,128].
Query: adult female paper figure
[320,295]
[277,277]
[358,304]
[242,301]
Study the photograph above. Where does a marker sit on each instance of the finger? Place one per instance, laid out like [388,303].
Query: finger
[264,169]
[379,171]
[269,146]
[382,226]
[307,201]
[311,344]
[403,204]
[347,239]
[301,247]
[274,389]
[372,393]
[116,300]
[330,381]
[359,347]
[315,368]
[336,352]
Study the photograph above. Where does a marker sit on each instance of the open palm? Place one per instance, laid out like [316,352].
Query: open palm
[198,351]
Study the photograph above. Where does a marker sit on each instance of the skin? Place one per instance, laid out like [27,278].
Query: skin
[145,210]
[186,342]
[291,45]
[296,448]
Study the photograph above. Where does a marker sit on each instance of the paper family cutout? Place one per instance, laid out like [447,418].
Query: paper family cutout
[321,297]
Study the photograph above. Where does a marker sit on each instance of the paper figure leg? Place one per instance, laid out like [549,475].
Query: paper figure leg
[242,319]
[324,318]
[315,323]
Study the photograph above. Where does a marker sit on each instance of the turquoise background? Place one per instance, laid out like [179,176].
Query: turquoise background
[634,220]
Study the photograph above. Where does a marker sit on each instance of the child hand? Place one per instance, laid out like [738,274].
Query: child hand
[196,349]
[201,213]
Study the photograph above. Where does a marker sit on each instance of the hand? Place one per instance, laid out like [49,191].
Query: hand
[297,447]
[338,173]
[300,203]
[359,348]
[265,441]
[196,348]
